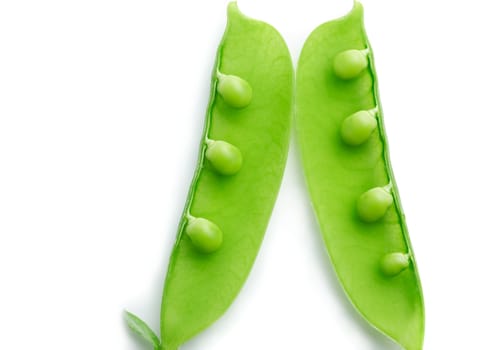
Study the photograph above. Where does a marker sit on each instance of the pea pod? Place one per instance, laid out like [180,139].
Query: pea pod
[242,158]
[344,150]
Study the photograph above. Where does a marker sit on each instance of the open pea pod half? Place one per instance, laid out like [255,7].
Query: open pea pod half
[241,162]
[346,162]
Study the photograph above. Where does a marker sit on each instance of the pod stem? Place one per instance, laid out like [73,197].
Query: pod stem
[208,141]
[374,111]
[388,187]
[220,75]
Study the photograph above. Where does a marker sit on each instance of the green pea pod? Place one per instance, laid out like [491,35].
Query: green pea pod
[352,188]
[242,159]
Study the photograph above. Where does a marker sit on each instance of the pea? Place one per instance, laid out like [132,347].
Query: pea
[235,91]
[357,128]
[225,158]
[205,271]
[199,285]
[394,263]
[373,204]
[205,235]
[350,63]
[337,106]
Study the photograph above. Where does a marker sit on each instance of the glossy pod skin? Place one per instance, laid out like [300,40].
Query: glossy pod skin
[242,159]
[352,188]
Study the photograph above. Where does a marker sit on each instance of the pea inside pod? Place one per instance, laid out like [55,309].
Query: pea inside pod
[205,235]
[394,263]
[349,64]
[225,158]
[235,91]
[373,204]
[358,127]
[344,150]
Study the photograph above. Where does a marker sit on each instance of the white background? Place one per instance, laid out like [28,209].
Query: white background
[101,111]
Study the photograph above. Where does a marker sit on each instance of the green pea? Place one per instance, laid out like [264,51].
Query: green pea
[225,158]
[235,91]
[350,63]
[394,263]
[205,235]
[200,287]
[336,175]
[357,128]
[373,204]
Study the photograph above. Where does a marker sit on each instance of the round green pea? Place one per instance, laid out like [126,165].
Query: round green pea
[235,91]
[373,204]
[394,263]
[205,235]
[349,64]
[225,158]
[357,128]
